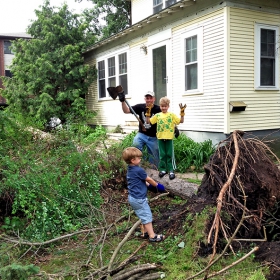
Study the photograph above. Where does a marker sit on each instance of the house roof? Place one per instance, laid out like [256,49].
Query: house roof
[15,35]
[155,17]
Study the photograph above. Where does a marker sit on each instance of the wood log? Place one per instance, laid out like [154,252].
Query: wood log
[178,186]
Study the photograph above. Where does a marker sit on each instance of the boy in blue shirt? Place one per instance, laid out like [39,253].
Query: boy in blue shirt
[137,181]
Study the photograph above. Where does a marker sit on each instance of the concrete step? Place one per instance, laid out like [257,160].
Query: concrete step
[116,136]
[128,129]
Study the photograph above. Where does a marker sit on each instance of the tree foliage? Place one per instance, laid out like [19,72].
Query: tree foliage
[111,15]
[49,74]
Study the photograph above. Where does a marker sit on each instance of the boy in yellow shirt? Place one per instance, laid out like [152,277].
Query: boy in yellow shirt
[166,122]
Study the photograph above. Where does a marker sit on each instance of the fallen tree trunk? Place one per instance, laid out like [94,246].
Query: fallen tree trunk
[177,186]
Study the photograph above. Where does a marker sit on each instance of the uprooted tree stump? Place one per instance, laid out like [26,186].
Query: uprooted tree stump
[254,172]
[242,179]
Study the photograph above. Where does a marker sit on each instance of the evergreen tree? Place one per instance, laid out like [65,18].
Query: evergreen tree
[49,77]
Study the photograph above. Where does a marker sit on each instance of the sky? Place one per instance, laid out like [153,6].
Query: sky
[16,14]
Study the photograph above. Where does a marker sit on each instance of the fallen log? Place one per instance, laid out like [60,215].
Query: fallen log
[177,186]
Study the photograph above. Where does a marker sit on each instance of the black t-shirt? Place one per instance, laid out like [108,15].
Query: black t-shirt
[140,110]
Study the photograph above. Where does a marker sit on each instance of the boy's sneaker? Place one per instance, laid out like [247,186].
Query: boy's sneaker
[171,175]
[161,174]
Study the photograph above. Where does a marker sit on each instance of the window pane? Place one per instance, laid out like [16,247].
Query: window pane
[158,7]
[111,66]
[123,82]
[8,73]
[157,2]
[7,47]
[122,63]
[191,49]
[169,2]
[101,69]
[267,72]
[268,41]
[102,92]
[191,76]
[112,82]
[123,71]
[101,78]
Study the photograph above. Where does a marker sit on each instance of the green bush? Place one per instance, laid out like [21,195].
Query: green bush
[18,272]
[190,153]
[50,186]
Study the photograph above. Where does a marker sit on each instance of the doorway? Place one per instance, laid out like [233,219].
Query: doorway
[159,70]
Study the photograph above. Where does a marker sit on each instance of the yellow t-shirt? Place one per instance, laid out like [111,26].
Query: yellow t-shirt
[165,124]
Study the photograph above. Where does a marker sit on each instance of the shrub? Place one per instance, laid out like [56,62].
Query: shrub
[190,153]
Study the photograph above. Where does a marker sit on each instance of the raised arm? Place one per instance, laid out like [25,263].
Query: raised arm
[182,112]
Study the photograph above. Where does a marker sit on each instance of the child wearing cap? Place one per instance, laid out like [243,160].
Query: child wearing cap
[166,122]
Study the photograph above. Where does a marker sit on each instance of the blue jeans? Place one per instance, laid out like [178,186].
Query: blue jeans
[140,140]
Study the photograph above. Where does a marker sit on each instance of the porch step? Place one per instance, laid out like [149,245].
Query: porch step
[128,129]
[116,136]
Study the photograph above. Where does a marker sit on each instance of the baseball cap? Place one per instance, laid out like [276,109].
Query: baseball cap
[151,93]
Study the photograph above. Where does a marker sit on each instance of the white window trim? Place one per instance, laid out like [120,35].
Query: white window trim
[258,27]
[199,33]
[105,58]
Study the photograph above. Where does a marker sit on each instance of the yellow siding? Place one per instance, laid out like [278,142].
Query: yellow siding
[205,112]
[263,107]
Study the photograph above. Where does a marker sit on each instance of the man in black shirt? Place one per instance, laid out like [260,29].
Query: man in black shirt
[145,137]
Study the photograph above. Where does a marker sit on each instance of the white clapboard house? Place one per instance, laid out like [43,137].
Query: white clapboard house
[221,58]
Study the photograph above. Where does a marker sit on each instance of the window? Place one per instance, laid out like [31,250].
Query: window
[191,63]
[101,79]
[158,5]
[123,71]
[7,47]
[8,73]
[267,65]
[192,47]
[112,72]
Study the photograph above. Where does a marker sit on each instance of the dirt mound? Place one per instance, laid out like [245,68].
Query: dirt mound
[244,182]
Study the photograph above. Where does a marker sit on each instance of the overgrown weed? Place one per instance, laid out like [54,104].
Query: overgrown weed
[53,186]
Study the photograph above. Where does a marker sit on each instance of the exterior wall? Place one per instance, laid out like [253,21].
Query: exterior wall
[140,9]
[228,70]
[205,111]
[263,106]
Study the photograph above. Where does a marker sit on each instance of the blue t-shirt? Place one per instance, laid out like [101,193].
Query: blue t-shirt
[136,181]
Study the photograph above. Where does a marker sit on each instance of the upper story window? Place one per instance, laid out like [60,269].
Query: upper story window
[112,72]
[267,64]
[7,47]
[158,5]
[193,62]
